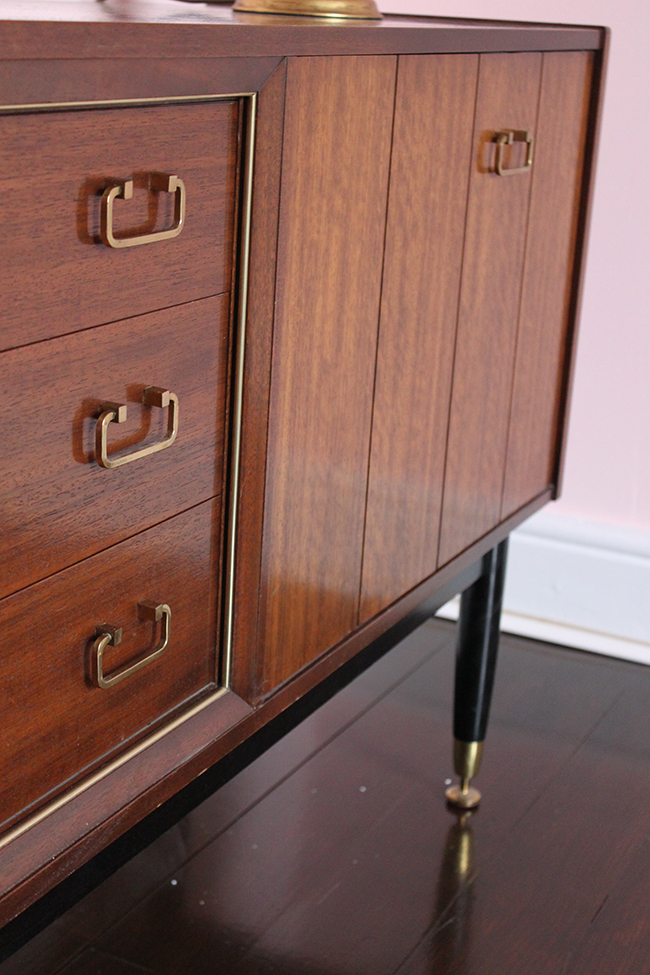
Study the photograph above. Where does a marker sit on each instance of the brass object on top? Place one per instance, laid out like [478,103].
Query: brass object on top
[116,413]
[123,190]
[467,761]
[111,636]
[337,9]
[508,138]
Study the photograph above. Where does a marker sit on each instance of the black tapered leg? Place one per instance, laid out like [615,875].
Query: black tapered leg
[476,660]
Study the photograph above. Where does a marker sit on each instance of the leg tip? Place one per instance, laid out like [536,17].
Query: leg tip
[463,798]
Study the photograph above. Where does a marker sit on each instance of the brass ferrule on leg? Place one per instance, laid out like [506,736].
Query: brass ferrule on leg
[467,762]
[467,758]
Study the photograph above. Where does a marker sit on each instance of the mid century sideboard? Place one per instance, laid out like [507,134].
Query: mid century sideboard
[286,332]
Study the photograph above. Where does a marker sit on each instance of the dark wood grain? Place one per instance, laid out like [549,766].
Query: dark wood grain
[548,276]
[47,82]
[56,723]
[538,901]
[58,505]
[489,305]
[51,214]
[430,164]
[46,29]
[339,114]
[257,379]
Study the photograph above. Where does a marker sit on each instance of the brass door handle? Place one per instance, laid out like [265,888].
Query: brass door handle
[507,138]
[116,413]
[112,636]
[158,183]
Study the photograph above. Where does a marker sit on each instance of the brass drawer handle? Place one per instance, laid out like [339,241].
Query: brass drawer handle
[158,183]
[507,138]
[116,413]
[112,636]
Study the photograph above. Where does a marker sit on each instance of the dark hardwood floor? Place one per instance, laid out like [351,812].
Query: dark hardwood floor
[334,853]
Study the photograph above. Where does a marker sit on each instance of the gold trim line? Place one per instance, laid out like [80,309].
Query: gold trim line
[122,102]
[238,398]
[67,797]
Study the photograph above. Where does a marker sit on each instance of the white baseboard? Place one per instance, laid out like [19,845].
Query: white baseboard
[580,584]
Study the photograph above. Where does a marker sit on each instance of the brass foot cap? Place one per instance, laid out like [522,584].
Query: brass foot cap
[463,800]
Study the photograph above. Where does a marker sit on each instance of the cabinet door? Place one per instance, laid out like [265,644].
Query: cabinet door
[543,340]
[434,114]
[337,137]
[497,216]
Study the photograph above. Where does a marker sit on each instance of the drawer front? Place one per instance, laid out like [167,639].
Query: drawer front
[58,275]
[56,724]
[57,505]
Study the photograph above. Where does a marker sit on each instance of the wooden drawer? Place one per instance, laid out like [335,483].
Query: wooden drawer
[57,504]
[58,276]
[56,723]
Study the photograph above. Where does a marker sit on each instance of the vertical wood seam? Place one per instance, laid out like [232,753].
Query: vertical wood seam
[513,369]
[460,288]
[374,380]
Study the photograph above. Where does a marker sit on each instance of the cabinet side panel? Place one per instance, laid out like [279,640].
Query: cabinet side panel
[338,128]
[434,115]
[546,297]
[497,217]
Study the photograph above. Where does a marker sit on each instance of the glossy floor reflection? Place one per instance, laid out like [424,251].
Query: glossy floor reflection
[335,854]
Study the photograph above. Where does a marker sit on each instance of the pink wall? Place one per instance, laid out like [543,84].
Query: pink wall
[607,475]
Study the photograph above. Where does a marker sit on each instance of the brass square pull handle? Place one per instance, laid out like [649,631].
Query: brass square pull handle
[112,636]
[508,138]
[153,396]
[123,190]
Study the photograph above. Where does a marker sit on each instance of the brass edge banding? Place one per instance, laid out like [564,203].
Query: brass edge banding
[120,102]
[239,389]
[67,797]
[91,780]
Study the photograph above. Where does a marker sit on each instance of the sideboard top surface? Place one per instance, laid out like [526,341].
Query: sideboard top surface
[81,29]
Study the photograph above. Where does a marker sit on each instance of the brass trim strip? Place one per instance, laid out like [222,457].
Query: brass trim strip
[119,102]
[238,397]
[77,790]
[251,107]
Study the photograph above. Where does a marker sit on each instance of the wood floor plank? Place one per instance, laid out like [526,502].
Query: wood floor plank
[365,914]
[93,962]
[533,902]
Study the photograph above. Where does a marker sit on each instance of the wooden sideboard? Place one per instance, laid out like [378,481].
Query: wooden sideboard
[286,338]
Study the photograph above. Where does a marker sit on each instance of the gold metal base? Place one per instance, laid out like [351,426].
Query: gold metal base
[463,796]
[346,9]
[467,762]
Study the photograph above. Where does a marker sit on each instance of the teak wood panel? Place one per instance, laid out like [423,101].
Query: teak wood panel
[548,276]
[56,503]
[432,140]
[57,275]
[337,140]
[56,723]
[497,217]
